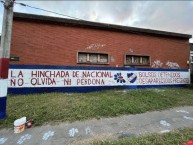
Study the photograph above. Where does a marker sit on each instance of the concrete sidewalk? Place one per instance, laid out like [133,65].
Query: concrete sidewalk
[83,132]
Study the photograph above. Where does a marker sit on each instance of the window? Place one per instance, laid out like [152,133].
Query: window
[137,60]
[191,56]
[93,58]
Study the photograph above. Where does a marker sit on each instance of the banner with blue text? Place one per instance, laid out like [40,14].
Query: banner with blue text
[87,77]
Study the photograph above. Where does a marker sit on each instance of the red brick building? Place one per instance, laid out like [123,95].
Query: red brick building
[43,40]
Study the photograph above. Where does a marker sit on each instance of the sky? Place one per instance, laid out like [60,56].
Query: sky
[172,16]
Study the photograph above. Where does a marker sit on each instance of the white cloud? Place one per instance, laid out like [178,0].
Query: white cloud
[175,16]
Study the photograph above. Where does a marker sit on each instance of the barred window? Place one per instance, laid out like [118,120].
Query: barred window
[137,60]
[191,56]
[93,58]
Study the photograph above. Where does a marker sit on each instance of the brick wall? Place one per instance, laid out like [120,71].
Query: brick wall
[54,44]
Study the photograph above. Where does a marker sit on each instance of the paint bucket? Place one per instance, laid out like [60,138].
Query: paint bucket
[19,125]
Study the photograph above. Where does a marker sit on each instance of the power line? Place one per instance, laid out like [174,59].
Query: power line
[22,4]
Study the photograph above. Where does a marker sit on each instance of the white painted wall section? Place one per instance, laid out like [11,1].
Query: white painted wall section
[3,87]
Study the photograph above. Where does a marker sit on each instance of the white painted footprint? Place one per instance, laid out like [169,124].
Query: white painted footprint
[24,138]
[47,135]
[164,123]
[3,140]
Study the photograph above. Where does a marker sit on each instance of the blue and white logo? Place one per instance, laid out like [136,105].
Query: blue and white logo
[131,77]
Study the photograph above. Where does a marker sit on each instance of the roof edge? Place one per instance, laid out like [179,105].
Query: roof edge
[99,25]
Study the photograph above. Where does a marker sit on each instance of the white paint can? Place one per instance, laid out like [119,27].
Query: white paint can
[19,125]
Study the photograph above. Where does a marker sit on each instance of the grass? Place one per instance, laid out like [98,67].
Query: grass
[177,137]
[61,107]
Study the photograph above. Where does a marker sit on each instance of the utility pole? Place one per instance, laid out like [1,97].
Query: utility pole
[5,54]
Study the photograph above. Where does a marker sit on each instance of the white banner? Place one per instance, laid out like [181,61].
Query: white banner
[67,78]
